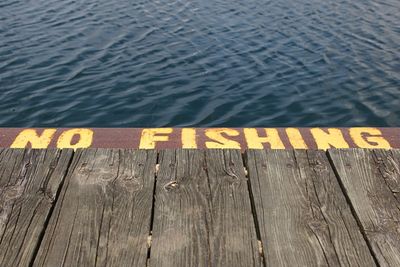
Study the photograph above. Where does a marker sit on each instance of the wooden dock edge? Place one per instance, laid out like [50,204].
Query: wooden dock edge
[201,138]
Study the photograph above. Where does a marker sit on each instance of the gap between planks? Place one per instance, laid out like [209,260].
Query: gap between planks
[41,236]
[350,204]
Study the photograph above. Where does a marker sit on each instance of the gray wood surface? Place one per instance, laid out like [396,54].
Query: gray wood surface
[371,179]
[303,217]
[202,211]
[103,214]
[29,182]
[94,208]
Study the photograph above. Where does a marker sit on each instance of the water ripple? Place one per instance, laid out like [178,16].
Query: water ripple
[199,63]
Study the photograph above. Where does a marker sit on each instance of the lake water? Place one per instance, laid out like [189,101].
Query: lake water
[120,63]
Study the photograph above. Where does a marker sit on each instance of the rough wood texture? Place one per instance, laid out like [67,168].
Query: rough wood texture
[303,216]
[29,182]
[102,217]
[203,211]
[371,179]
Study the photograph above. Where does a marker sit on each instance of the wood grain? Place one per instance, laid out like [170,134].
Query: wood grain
[303,217]
[203,211]
[371,179]
[29,182]
[103,214]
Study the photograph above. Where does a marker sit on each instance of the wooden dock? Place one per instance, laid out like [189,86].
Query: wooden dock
[123,207]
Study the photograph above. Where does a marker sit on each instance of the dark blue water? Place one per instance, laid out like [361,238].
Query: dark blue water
[199,63]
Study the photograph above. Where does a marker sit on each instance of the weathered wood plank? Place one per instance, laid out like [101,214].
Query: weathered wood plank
[371,180]
[103,214]
[303,216]
[29,182]
[203,211]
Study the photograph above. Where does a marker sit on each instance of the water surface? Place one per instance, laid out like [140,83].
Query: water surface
[120,63]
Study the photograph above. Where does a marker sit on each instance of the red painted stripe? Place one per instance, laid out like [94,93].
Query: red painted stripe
[243,138]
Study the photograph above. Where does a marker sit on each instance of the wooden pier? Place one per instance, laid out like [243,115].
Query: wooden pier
[123,207]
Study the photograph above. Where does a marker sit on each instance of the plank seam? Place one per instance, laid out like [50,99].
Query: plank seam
[211,207]
[149,238]
[253,210]
[46,223]
[317,197]
[353,212]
